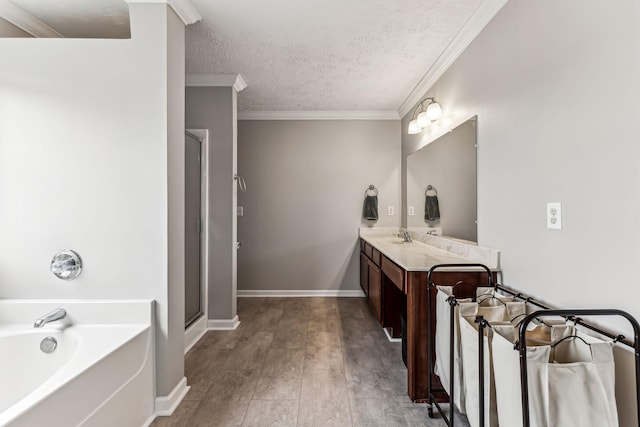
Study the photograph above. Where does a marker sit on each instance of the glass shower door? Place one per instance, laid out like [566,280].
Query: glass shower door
[193,230]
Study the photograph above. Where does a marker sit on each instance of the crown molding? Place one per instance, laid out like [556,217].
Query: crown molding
[26,21]
[216,80]
[183,8]
[239,85]
[476,23]
[318,115]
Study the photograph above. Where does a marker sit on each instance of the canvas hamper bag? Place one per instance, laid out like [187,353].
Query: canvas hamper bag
[497,310]
[442,347]
[571,383]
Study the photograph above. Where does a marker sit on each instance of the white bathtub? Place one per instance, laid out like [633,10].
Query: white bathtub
[100,374]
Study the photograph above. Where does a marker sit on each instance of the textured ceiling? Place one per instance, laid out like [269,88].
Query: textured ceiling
[295,55]
[331,55]
[82,18]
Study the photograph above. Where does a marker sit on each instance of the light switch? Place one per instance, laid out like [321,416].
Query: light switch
[411,211]
[390,211]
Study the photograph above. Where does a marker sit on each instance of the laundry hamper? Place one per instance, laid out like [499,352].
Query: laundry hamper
[571,378]
[495,309]
[443,360]
[442,341]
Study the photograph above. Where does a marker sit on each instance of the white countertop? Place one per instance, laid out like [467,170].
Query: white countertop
[425,251]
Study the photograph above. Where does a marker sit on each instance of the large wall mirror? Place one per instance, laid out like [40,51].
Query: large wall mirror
[441,184]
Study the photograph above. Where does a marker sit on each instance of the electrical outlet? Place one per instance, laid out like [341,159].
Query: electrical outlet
[240,211]
[390,211]
[554,216]
[412,211]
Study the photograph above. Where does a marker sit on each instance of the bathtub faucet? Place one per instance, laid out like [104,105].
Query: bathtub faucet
[57,314]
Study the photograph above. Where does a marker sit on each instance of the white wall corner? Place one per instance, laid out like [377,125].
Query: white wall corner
[318,115]
[25,21]
[183,8]
[165,405]
[223,324]
[476,23]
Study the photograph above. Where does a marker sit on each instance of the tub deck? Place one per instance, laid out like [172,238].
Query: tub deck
[106,376]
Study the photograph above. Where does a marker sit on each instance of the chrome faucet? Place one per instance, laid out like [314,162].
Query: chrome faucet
[57,314]
[405,236]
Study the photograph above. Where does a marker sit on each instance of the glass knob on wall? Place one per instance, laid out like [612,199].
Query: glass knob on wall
[66,264]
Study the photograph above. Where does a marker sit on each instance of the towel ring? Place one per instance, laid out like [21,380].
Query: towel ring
[430,188]
[371,188]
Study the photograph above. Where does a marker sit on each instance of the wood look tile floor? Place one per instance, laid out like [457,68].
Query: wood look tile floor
[298,362]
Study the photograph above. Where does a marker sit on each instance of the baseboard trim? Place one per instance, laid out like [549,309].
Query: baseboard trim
[389,337]
[165,405]
[194,332]
[299,293]
[149,420]
[223,324]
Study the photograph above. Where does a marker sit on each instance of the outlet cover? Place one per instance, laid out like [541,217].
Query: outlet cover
[412,211]
[554,216]
[240,211]
[390,211]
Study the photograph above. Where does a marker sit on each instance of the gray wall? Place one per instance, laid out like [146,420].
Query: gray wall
[555,87]
[306,183]
[449,164]
[214,108]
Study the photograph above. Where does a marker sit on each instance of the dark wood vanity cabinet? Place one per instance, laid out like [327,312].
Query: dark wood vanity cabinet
[375,290]
[418,335]
[397,297]
[371,277]
[364,274]
[395,274]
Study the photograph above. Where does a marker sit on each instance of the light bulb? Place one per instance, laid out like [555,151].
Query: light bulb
[413,127]
[434,111]
[423,120]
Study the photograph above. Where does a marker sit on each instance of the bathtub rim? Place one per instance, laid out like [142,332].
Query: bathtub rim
[70,372]
[140,314]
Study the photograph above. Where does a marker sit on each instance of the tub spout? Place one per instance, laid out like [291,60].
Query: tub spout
[57,314]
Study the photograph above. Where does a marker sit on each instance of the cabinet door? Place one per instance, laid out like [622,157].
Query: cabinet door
[375,290]
[364,274]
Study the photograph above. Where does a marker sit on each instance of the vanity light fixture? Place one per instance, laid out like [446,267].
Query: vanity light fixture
[414,128]
[431,113]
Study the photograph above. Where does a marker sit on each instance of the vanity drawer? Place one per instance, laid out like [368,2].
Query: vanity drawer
[376,256]
[393,272]
[368,250]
